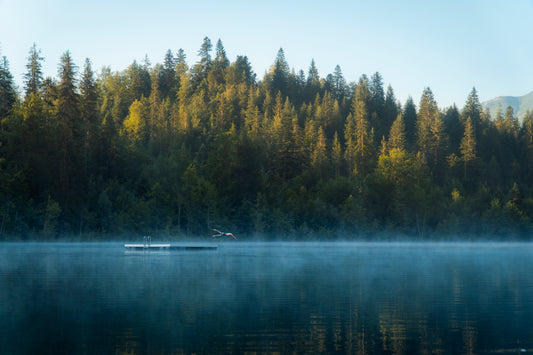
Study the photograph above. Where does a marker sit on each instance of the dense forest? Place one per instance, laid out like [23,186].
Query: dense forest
[174,150]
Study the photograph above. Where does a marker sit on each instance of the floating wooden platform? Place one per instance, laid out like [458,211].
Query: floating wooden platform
[168,247]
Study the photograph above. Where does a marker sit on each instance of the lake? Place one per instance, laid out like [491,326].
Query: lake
[389,298]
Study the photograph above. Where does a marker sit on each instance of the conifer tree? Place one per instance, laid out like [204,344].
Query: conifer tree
[430,129]
[472,109]
[33,78]
[140,83]
[410,118]
[511,122]
[89,111]
[8,94]
[313,80]
[279,74]
[468,146]
[339,84]
[181,66]
[336,154]
[397,135]
[358,133]
[454,128]
[376,105]
[319,154]
[71,134]
[377,94]
[390,109]
[527,141]
[167,76]
[252,115]
[202,68]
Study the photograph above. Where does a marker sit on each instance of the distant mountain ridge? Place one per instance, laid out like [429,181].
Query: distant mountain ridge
[520,105]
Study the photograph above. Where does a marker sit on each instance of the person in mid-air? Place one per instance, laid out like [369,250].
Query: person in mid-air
[222,234]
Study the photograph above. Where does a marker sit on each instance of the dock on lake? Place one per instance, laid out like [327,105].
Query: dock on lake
[168,247]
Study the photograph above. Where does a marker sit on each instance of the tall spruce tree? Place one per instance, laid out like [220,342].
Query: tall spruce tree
[468,147]
[167,76]
[8,95]
[358,132]
[313,80]
[33,78]
[339,84]
[390,109]
[397,134]
[71,134]
[430,130]
[89,112]
[473,110]
[410,118]
[278,75]
[203,66]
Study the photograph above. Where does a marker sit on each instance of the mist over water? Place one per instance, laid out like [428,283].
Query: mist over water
[396,298]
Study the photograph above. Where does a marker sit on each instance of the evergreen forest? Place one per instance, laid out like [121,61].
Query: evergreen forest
[176,149]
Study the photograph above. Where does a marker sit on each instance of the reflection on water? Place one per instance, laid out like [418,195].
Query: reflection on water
[268,297]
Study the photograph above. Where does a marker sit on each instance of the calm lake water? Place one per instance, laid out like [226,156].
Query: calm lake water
[391,298]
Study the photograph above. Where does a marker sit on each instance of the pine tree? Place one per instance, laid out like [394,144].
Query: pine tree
[202,68]
[511,122]
[358,133]
[336,155]
[277,78]
[8,95]
[139,80]
[430,129]
[89,111]
[376,106]
[397,135]
[33,78]
[390,110]
[468,146]
[454,128]
[319,154]
[339,84]
[472,109]
[71,134]
[181,66]
[252,115]
[527,143]
[410,118]
[167,76]
[313,80]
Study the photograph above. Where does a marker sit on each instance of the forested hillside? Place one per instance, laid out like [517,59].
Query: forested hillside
[172,149]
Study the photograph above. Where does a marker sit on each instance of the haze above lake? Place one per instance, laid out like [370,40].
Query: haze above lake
[271,297]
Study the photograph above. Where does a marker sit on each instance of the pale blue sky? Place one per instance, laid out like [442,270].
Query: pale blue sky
[449,46]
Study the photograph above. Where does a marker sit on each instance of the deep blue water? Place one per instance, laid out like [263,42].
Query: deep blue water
[390,298]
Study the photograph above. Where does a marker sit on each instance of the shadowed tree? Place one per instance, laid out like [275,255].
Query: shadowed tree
[472,109]
[71,133]
[409,117]
[277,78]
[89,112]
[339,84]
[8,95]
[220,63]
[390,110]
[202,68]
[167,76]
[33,78]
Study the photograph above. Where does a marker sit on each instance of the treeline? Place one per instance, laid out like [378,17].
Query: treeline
[176,150]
